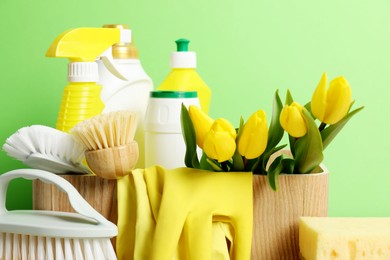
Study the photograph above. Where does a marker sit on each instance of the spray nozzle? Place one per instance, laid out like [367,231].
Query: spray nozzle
[89,44]
[182,45]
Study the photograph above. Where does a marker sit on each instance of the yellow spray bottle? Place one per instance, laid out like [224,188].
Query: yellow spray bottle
[83,46]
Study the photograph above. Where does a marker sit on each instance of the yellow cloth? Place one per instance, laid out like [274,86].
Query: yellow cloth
[184,214]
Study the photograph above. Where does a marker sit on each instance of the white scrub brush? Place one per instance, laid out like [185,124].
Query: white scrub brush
[46,148]
[109,139]
[42,234]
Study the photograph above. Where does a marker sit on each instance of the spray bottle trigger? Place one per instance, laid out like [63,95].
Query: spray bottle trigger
[108,62]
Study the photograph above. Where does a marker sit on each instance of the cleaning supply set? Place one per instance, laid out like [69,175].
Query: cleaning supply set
[110,108]
[166,214]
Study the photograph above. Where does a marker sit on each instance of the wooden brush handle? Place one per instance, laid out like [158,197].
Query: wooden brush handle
[114,162]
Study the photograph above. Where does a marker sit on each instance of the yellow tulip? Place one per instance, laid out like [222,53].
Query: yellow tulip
[331,105]
[220,141]
[202,123]
[254,136]
[292,121]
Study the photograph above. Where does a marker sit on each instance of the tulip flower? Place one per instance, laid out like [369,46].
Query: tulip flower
[220,141]
[202,123]
[254,136]
[331,105]
[292,121]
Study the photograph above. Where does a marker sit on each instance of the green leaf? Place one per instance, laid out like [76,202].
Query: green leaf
[240,127]
[204,164]
[292,140]
[258,165]
[288,165]
[191,157]
[252,165]
[275,132]
[308,149]
[238,162]
[308,107]
[289,98]
[215,165]
[195,161]
[273,173]
[282,164]
[329,133]
[267,155]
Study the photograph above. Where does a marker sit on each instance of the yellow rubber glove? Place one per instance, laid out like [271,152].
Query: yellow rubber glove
[187,201]
[137,220]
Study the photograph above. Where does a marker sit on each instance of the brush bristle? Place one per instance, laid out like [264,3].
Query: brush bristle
[44,140]
[16,246]
[106,130]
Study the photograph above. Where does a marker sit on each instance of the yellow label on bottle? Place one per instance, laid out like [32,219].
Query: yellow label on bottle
[188,80]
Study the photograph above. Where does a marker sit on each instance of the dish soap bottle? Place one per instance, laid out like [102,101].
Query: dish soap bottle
[82,46]
[184,77]
[130,94]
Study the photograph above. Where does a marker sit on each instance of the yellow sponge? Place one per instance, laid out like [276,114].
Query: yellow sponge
[344,238]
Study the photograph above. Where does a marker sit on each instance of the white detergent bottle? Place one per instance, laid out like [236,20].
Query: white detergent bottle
[130,94]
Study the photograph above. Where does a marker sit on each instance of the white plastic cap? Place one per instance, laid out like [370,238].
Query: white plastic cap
[125,35]
[83,72]
[183,59]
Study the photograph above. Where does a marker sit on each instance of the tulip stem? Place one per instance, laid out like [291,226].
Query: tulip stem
[322,126]
[224,166]
[245,161]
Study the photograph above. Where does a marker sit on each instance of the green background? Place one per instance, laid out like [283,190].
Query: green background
[246,50]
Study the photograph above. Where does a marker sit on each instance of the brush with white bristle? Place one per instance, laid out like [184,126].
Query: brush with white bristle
[109,141]
[46,148]
[41,234]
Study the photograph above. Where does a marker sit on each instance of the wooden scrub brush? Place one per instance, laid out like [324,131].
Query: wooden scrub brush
[111,151]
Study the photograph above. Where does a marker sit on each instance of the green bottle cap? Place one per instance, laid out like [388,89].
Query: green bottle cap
[173,94]
[182,45]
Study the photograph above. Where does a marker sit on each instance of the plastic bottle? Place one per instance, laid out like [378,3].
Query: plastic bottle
[82,46]
[81,98]
[130,94]
[184,77]
[164,142]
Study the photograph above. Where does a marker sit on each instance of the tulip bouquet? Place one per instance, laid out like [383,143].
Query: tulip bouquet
[249,147]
